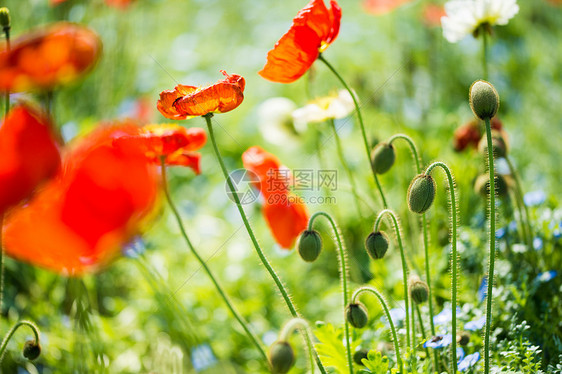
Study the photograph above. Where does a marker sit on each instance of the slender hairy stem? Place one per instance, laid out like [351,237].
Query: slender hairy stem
[10,333]
[404,265]
[484,51]
[454,265]
[361,124]
[6,110]
[219,288]
[384,305]
[343,275]
[257,247]
[519,195]
[290,326]
[346,167]
[413,148]
[492,257]
[422,329]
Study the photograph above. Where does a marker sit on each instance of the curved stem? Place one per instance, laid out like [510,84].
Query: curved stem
[413,148]
[361,124]
[290,327]
[453,256]
[384,305]
[492,257]
[404,266]
[346,167]
[521,201]
[257,247]
[10,333]
[484,51]
[344,277]
[216,283]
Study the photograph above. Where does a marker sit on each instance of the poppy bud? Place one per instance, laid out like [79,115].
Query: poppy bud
[499,145]
[309,245]
[382,157]
[421,193]
[418,289]
[281,357]
[463,338]
[31,350]
[484,99]
[356,315]
[359,355]
[482,185]
[5,20]
[376,245]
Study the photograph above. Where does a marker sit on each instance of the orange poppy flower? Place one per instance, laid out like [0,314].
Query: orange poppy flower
[94,206]
[273,179]
[286,219]
[123,4]
[379,7]
[173,142]
[470,133]
[432,14]
[48,57]
[314,28]
[29,152]
[188,101]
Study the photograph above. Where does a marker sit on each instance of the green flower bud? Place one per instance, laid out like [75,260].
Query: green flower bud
[31,350]
[359,355]
[463,338]
[482,185]
[357,315]
[382,157]
[281,357]
[418,289]
[5,20]
[499,145]
[484,99]
[421,193]
[309,245]
[376,245]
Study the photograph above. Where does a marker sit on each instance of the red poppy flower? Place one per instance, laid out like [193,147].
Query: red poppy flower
[94,206]
[432,14]
[273,179]
[173,142]
[48,57]
[470,133]
[29,152]
[314,28]
[286,218]
[188,101]
[379,7]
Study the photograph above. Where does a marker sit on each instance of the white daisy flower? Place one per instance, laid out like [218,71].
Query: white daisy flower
[466,16]
[331,107]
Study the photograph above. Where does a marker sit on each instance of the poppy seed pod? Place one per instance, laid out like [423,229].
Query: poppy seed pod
[418,289]
[376,245]
[31,350]
[499,145]
[421,193]
[359,355]
[281,357]
[382,157]
[5,20]
[357,315]
[484,99]
[482,185]
[309,245]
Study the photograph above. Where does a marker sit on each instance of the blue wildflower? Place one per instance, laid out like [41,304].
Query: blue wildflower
[202,357]
[468,361]
[557,234]
[460,353]
[546,276]
[534,198]
[134,248]
[397,315]
[483,289]
[445,316]
[500,233]
[475,324]
[439,341]
[537,243]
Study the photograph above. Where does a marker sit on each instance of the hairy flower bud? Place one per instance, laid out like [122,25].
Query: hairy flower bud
[482,185]
[5,20]
[359,355]
[357,315]
[376,245]
[309,245]
[484,99]
[463,338]
[421,193]
[418,289]
[281,357]
[31,350]
[382,157]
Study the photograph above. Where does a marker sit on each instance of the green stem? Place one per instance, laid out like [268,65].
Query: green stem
[384,305]
[453,256]
[404,265]
[484,51]
[361,124]
[492,257]
[216,283]
[257,247]
[343,274]
[519,195]
[422,329]
[6,111]
[10,333]
[346,167]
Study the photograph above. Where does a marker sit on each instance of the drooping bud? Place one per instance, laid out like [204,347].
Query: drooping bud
[463,338]
[482,185]
[31,350]
[484,99]
[376,245]
[418,289]
[359,355]
[281,357]
[421,193]
[499,145]
[357,315]
[382,157]
[5,20]
[309,245]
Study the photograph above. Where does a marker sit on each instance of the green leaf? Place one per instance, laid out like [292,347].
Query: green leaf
[330,347]
[375,363]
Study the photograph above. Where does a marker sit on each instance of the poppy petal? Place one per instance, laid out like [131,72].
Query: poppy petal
[286,219]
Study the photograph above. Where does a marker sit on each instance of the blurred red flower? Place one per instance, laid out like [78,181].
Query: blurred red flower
[432,14]
[188,101]
[470,133]
[173,142]
[96,203]
[123,4]
[46,58]
[379,7]
[314,28]
[273,178]
[30,154]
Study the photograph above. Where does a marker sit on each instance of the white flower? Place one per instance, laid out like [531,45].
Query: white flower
[331,107]
[276,121]
[465,16]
